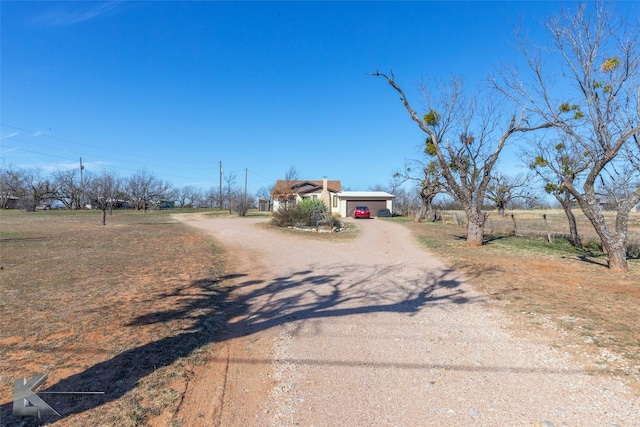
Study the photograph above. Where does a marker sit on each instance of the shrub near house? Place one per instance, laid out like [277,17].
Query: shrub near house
[307,213]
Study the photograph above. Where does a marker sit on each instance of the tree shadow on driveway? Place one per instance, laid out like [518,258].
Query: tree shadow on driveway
[219,311]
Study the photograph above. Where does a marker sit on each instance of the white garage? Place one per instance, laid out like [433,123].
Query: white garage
[374,200]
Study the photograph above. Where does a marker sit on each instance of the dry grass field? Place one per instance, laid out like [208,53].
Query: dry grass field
[125,308]
[132,307]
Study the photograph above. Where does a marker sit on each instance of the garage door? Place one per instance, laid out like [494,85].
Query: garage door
[373,205]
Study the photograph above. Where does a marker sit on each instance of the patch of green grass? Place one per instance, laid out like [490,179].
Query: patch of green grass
[9,235]
[257,213]
[527,245]
[440,237]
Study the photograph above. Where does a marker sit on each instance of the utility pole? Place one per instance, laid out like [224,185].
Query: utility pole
[246,170]
[220,199]
[81,185]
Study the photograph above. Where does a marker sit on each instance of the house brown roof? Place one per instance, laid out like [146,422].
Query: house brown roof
[306,186]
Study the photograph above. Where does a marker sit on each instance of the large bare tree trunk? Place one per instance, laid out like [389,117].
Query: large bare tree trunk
[617,256]
[421,215]
[475,228]
[614,243]
[426,209]
[475,234]
[574,237]
[431,213]
[565,202]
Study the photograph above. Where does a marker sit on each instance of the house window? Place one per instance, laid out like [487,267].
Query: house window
[335,201]
[315,196]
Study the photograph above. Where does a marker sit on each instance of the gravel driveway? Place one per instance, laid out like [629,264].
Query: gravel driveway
[376,331]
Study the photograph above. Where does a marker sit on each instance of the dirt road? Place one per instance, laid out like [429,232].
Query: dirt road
[375,331]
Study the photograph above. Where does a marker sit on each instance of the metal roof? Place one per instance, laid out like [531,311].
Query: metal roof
[366,194]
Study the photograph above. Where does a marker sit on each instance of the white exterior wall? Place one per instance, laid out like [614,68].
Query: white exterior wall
[333,210]
[343,208]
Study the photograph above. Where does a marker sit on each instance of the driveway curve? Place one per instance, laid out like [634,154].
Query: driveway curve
[375,331]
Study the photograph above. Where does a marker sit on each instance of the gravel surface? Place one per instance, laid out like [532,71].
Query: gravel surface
[375,331]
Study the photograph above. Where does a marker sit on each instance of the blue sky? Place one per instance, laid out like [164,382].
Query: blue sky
[177,87]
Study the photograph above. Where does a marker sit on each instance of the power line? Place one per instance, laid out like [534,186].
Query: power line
[111,162]
[91,146]
[110,166]
[37,152]
[263,177]
[100,158]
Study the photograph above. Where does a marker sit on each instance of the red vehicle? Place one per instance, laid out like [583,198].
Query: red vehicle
[361,212]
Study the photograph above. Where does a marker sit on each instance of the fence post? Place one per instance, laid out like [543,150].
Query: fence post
[546,227]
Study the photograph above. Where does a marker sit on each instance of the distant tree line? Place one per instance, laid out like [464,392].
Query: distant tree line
[30,189]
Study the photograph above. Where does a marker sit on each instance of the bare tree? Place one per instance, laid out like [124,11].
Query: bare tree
[29,186]
[284,192]
[69,190]
[406,202]
[186,196]
[229,184]
[554,164]
[143,188]
[239,203]
[593,101]
[7,187]
[430,182]
[103,191]
[210,198]
[292,174]
[530,198]
[465,135]
[502,190]
[198,200]
[171,196]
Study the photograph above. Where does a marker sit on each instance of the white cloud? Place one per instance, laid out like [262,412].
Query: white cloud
[37,133]
[6,150]
[11,135]
[53,167]
[76,12]
[65,166]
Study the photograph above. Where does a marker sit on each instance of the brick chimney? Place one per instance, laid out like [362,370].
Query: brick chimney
[324,196]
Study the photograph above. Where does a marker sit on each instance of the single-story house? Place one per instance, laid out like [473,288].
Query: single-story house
[297,190]
[374,200]
[339,203]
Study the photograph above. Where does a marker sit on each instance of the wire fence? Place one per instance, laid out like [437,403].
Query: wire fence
[548,224]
